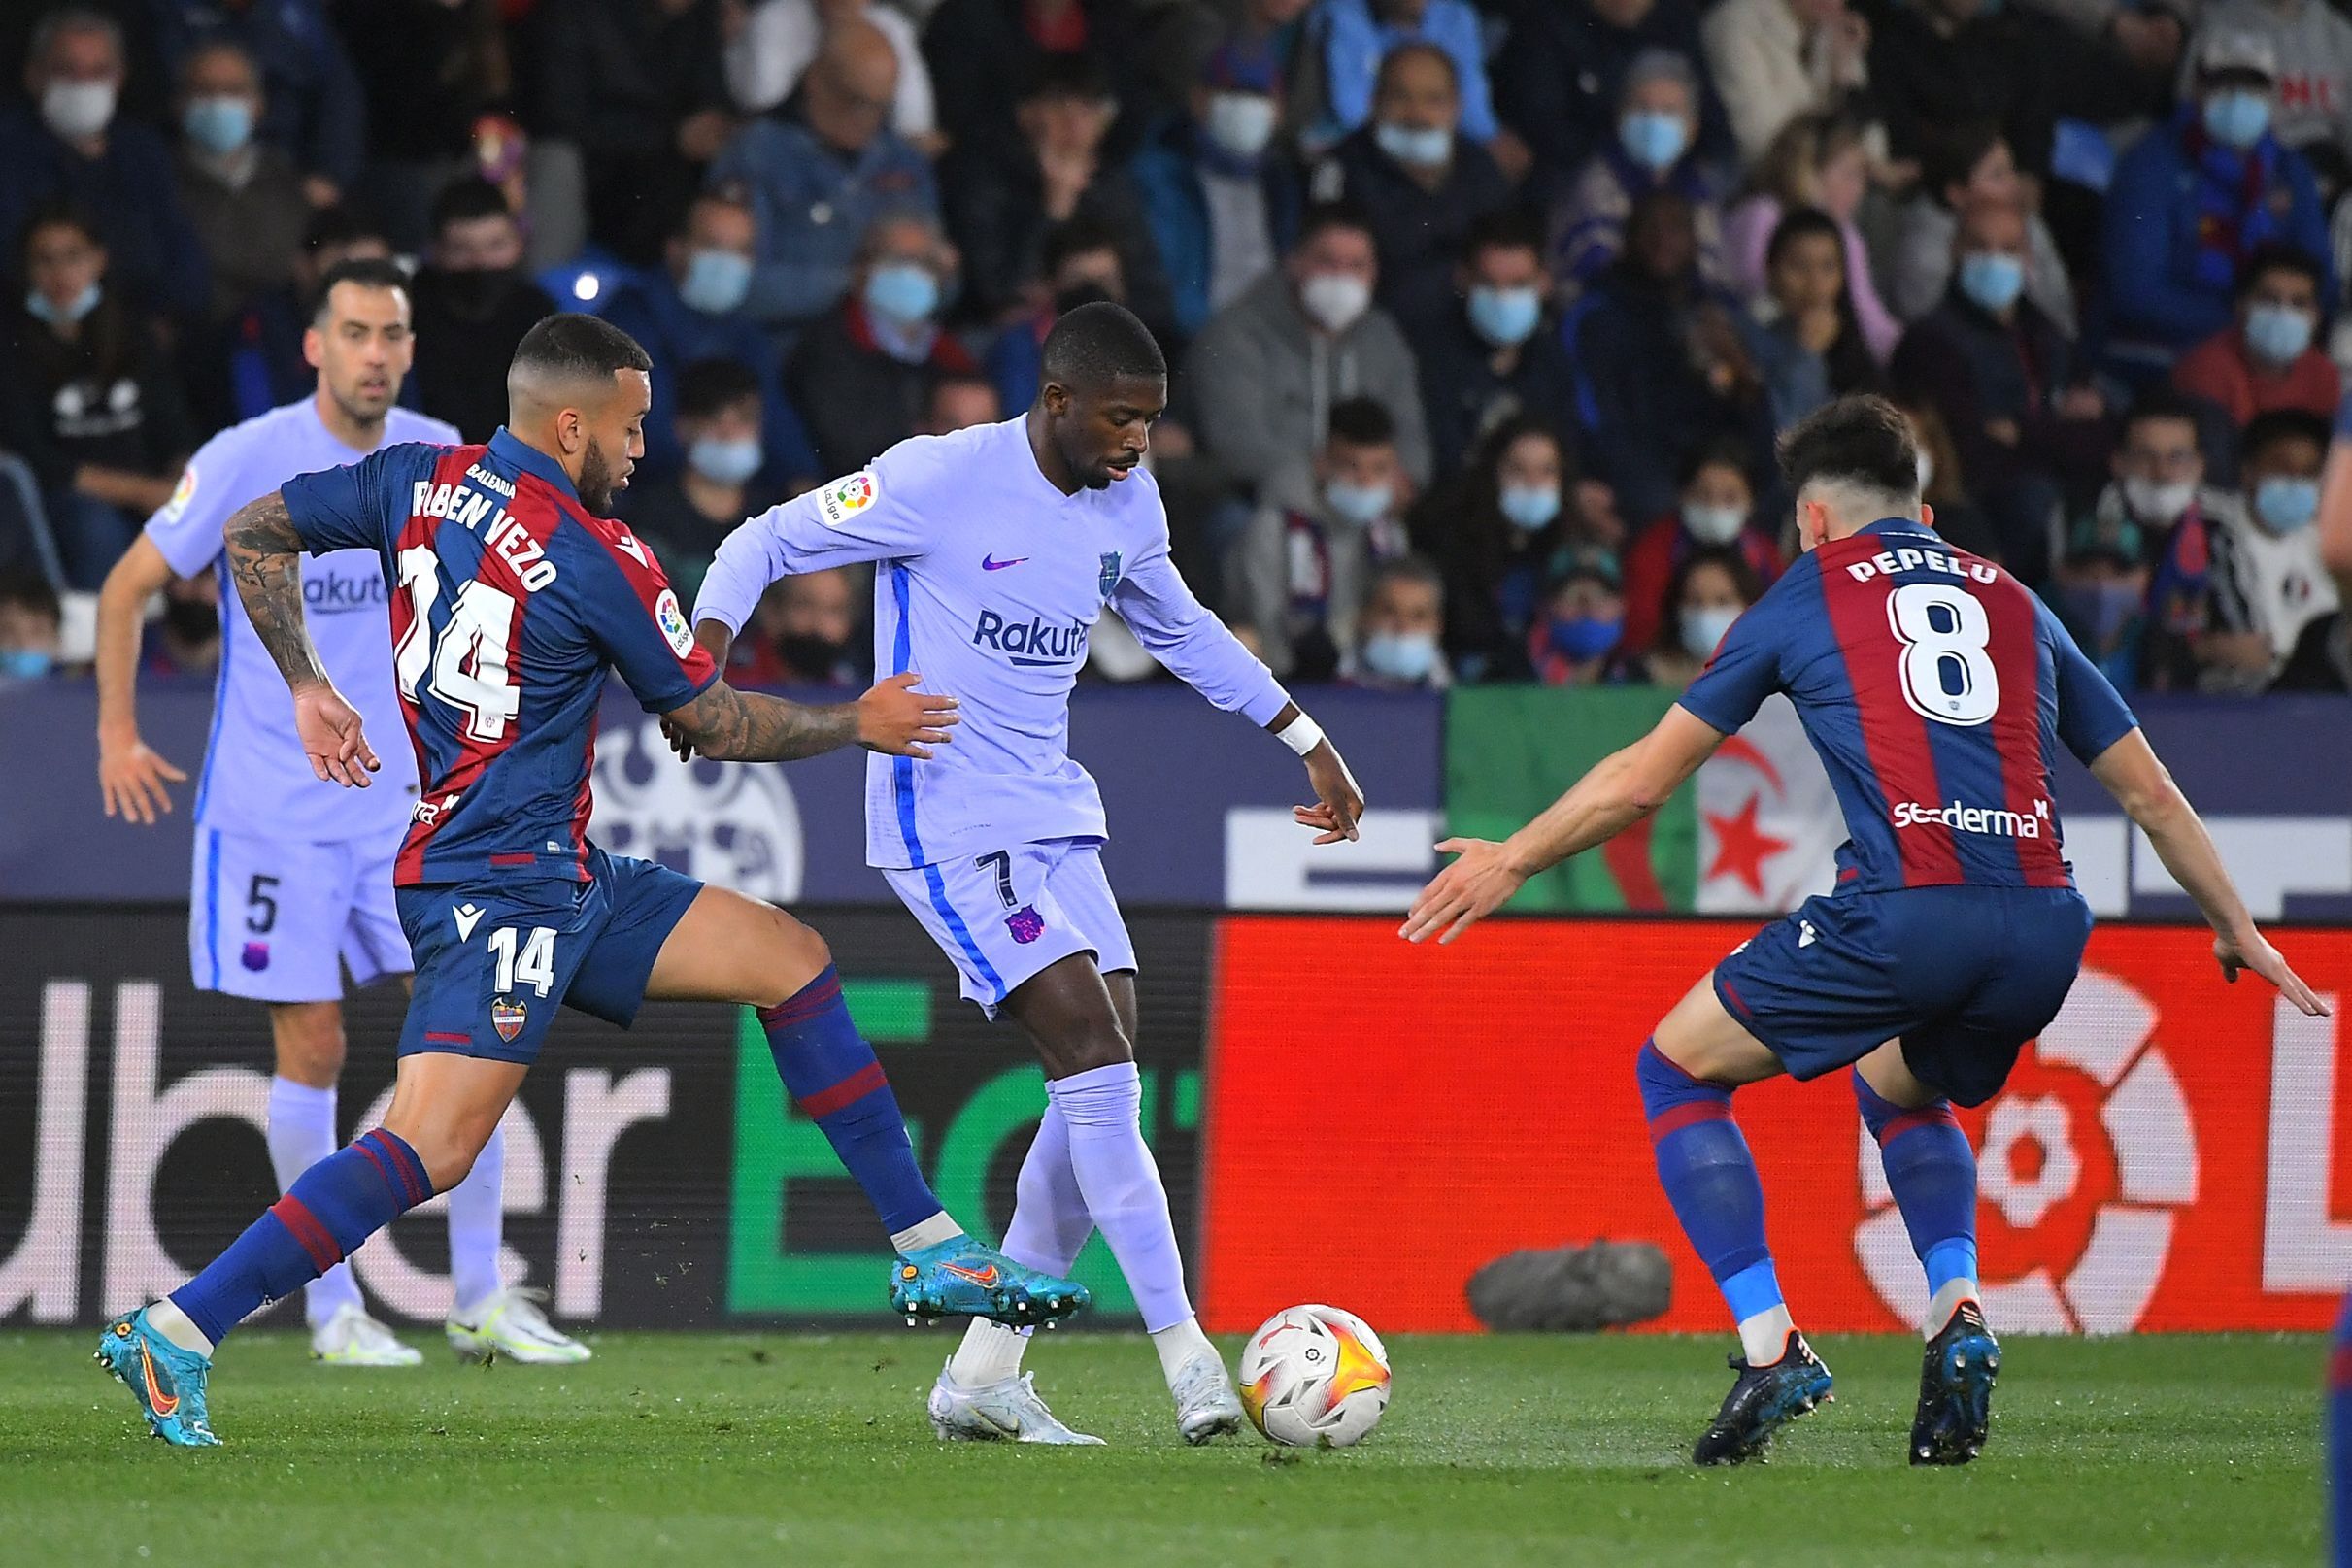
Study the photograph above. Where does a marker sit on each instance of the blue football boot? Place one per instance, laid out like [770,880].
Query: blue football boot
[167,1381]
[965,1277]
[1956,1390]
[1763,1400]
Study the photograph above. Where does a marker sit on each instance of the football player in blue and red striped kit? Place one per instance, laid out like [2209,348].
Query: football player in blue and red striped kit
[1936,689]
[512,592]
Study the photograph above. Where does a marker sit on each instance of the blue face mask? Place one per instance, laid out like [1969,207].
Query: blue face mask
[714,281]
[218,126]
[1652,137]
[904,291]
[1416,147]
[1530,507]
[1991,278]
[42,310]
[1505,316]
[1360,504]
[25,663]
[2286,504]
[725,462]
[2238,117]
[1400,655]
[1579,638]
[2277,333]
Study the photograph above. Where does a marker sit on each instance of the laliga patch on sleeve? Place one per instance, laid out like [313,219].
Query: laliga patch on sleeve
[672,621]
[181,495]
[843,499]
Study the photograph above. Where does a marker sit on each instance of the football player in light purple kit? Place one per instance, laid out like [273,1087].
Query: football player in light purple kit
[998,546]
[294,875]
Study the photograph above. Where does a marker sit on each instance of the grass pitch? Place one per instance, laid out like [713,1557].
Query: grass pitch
[726,1450]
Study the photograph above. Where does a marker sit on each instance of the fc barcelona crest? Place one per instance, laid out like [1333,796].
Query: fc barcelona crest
[507,1017]
[1110,572]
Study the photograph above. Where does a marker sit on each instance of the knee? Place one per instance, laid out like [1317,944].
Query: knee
[309,1041]
[446,1148]
[795,956]
[1097,1042]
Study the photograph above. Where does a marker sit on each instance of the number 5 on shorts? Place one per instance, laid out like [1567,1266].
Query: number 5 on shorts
[533,966]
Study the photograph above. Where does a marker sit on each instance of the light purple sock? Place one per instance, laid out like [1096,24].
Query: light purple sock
[1103,1109]
[1049,1219]
[477,1221]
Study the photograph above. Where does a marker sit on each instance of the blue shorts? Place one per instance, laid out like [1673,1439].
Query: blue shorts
[495,959]
[1962,976]
[1004,916]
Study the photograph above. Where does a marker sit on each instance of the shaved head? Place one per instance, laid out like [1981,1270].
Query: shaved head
[577,390]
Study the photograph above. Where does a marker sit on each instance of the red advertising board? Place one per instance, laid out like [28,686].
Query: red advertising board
[1385,1118]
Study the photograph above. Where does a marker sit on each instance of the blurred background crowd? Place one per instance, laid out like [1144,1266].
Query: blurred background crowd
[1483,315]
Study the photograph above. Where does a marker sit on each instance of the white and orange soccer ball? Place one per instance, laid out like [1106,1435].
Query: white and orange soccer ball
[1315,1377]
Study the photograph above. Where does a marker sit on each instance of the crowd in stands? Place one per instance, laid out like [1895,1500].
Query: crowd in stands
[1484,314]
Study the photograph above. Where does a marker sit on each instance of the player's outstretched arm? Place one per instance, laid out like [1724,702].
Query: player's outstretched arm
[1620,791]
[131,778]
[728,725]
[265,564]
[1338,798]
[2144,789]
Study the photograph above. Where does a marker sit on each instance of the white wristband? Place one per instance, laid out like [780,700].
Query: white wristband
[1301,734]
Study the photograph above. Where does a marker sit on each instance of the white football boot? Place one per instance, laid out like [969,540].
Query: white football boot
[352,1339]
[510,1325]
[1206,1405]
[997,1410]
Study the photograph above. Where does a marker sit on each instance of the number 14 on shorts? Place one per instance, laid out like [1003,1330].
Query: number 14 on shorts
[524,961]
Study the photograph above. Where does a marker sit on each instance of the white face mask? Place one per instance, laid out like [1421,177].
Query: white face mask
[1712,525]
[2161,504]
[78,110]
[1241,123]
[1334,299]
[1703,629]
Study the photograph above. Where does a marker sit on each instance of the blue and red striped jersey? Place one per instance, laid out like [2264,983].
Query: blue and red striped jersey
[510,601]
[1935,687]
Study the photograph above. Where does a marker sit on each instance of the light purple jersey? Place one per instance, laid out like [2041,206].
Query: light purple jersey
[255,778]
[989,581]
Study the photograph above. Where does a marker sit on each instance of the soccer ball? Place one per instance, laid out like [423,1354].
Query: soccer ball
[1315,1377]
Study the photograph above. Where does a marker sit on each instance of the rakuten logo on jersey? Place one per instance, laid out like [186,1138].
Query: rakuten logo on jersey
[1030,643]
[2001,824]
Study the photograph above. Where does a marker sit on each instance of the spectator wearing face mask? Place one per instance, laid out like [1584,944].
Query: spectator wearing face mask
[1419,182]
[2313,43]
[1265,373]
[30,620]
[684,514]
[804,633]
[1299,574]
[1806,339]
[1709,590]
[2267,584]
[1777,61]
[778,40]
[1579,637]
[1347,40]
[2099,590]
[1082,264]
[1400,635]
[1655,151]
[2194,199]
[692,308]
[2157,486]
[185,639]
[243,196]
[69,145]
[316,114]
[1559,79]
[2264,361]
[1962,165]
[473,304]
[862,374]
[1495,352]
[1714,509]
[1221,199]
[1516,519]
[1817,161]
[86,397]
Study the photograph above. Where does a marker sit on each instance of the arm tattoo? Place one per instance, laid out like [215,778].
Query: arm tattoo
[728,725]
[265,563]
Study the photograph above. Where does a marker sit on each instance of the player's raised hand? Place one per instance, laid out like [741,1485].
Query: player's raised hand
[897,721]
[331,739]
[2254,951]
[1338,799]
[1474,886]
[131,780]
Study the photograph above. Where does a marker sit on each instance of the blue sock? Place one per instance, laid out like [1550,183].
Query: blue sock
[1710,1178]
[830,1072]
[330,1209]
[1931,1171]
[2340,1437]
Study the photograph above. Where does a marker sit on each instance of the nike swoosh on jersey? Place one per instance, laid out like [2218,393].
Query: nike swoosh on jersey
[990,563]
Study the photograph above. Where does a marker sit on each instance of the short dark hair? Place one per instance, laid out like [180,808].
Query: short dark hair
[1722,452]
[58,214]
[1330,214]
[1075,237]
[1801,223]
[338,224]
[1506,228]
[1078,76]
[1362,422]
[571,346]
[1743,573]
[28,589]
[365,272]
[2161,402]
[1949,153]
[1100,343]
[1405,569]
[1862,441]
[710,386]
[2267,430]
[465,199]
[2274,257]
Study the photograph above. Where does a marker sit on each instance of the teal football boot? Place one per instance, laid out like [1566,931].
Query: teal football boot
[965,1277]
[167,1381]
